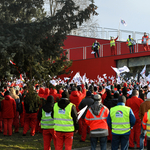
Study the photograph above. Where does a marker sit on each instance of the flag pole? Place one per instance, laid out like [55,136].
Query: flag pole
[119,30]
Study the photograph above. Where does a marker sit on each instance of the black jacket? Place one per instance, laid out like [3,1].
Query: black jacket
[62,104]
[86,101]
[48,107]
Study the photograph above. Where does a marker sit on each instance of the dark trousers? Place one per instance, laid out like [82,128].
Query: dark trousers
[142,137]
[120,139]
[131,47]
[148,143]
[96,52]
[102,140]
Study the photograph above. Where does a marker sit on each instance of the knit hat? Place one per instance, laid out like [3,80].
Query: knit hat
[122,99]
[65,94]
[97,97]
[50,99]
[88,93]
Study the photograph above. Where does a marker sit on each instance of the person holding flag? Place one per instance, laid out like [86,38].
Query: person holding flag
[113,46]
[130,43]
[96,47]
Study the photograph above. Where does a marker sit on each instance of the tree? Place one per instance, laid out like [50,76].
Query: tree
[89,27]
[35,45]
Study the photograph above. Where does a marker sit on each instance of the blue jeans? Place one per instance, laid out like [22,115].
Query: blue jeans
[142,137]
[120,139]
[103,142]
[131,47]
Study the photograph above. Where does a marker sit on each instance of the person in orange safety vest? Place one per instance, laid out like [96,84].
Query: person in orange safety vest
[145,39]
[96,119]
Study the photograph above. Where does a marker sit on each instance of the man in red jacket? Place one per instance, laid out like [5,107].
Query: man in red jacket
[134,103]
[8,107]
[145,39]
[76,97]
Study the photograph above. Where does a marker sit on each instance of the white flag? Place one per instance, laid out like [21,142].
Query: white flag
[81,112]
[124,69]
[92,52]
[143,72]
[120,70]
[148,78]
[116,70]
[123,22]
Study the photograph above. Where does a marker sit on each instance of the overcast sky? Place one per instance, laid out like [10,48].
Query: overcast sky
[135,12]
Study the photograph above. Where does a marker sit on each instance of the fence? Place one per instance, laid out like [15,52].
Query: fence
[80,53]
[105,33]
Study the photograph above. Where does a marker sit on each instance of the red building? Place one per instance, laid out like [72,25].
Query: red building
[79,50]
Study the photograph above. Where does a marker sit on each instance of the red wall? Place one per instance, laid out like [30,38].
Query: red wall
[76,44]
[96,66]
[100,66]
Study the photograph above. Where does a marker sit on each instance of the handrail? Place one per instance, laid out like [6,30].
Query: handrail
[85,50]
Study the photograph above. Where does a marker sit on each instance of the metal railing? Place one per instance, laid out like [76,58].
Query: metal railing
[79,53]
[105,33]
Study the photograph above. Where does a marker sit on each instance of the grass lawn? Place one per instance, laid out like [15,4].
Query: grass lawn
[19,142]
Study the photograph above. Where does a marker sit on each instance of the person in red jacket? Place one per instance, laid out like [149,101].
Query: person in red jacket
[8,107]
[41,92]
[46,94]
[17,100]
[134,103]
[145,39]
[96,119]
[76,97]
[54,93]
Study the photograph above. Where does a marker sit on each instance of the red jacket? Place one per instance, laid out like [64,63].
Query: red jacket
[134,103]
[144,121]
[76,97]
[46,94]
[54,93]
[41,92]
[8,106]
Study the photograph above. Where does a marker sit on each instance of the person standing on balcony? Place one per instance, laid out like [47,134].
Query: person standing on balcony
[130,42]
[145,39]
[113,46]
[96,47]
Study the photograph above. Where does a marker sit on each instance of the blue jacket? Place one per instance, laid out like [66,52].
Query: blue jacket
[132,119]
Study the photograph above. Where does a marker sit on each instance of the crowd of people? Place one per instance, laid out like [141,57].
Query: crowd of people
[119,114]
[130,43]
